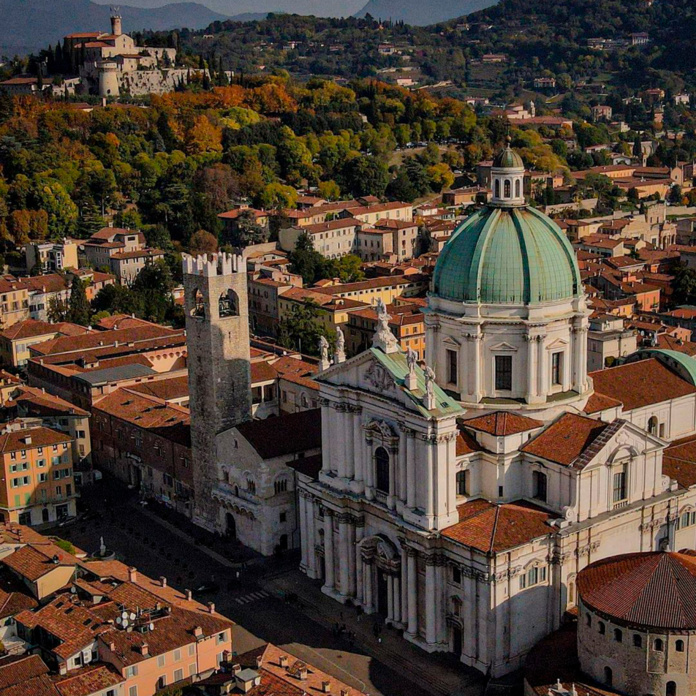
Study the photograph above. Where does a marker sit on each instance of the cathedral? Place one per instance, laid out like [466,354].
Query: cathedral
[460,497]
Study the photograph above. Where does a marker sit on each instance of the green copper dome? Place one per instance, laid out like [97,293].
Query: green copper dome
[507,255]
[508,159]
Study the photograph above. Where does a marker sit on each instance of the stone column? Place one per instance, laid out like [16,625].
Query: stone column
[390,597]
[348,439]
[393,469]
[531,368]
[358,447]
[579,357]
[369,470]
[326,439]
[430,600]
[311,539]
[404,584]
[410,469]
[429,482]
[337,441]
[304,541]
[359,534]
[477,392]
[344,551]
[329,581]
[541,368]
[412,592]
[401,489]
[367,578]
[397,598]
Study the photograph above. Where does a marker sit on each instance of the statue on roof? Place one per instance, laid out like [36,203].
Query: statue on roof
[340,353]
[324,362]
[384,338]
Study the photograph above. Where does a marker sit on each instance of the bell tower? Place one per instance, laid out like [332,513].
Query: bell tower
[217,336]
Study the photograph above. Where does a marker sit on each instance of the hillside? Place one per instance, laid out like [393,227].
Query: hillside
[29,25]
[421,13]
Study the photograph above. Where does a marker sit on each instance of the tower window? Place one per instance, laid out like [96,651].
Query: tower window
[507,188]
[503,372]
[557,368]
[228,305]
[518,189]
[452,366]
[382,469]
[198,309]
[497,188]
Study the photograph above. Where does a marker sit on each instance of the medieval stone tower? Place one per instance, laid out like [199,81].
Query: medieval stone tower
[217,329]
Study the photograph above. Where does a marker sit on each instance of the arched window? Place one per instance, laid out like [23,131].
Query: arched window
[518,189]
[497,188]
[671,689]
[463,482]
[197,304]
[679,646]
[658,645]
[507,189]
[618,635]
[637,640]
[281,485]
[251,486]
[652,425]
[540,481]
[382,469]
[571,593]
[608,676]
[228,304]
[602,628]
[456,606]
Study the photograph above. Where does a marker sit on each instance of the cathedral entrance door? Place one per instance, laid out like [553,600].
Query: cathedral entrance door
[231,526]
[457,641]
[382,594]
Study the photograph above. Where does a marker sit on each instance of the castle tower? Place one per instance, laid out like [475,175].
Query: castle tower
[217,331]
[108,79]
[116,26]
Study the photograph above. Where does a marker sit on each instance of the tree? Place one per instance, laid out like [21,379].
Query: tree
[302,329]
[78,307]
[347,268]
[203,242]
[245,231]
[57,309]
[305,260]
[365,176]
[684,286]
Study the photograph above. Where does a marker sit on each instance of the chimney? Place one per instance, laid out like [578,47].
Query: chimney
[344,692]
[197,631]
[163,581]
[189,595]
[144,649]
[283,659]
[326,687]
[302,672]
[236,668]
[259,661]
[211,607]
[116,26]
[132,574]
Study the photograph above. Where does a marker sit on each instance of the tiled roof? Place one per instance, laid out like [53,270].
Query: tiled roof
[40,437]
[679,462]
[137,254]
[31,328]
[338,224]
[492,528]
[309,466]
[600,402]
[165,389]
[502,423]
[33,562]
[466,444]
[653,590]
[119,321]
[297,371]
[36,402]
[18,669]
[566,440]
[641,383]
[14,595]
[262,371]
[285,434]
[88,680]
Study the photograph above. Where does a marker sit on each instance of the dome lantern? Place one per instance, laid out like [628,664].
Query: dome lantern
[507,178]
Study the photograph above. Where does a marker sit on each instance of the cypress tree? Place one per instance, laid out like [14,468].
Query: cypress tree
[78,307]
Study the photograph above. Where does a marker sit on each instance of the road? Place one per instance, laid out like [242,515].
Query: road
[157,548]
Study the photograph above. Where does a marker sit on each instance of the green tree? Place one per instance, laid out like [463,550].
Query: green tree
[78,307]
[245,231]
[305,260]
[347,268]
[303,328]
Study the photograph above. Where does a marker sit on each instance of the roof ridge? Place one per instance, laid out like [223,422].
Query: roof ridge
[494,531]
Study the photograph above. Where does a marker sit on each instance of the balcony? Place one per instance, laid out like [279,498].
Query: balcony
[620,504]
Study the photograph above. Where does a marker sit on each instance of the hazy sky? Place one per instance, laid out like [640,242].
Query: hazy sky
[337,8]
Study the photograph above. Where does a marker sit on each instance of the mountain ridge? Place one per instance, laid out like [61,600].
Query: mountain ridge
[418,13]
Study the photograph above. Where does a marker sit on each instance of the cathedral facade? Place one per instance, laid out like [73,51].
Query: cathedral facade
[460,499]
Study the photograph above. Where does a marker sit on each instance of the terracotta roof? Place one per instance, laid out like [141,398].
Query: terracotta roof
[600,402]
[165,389]
[32,328]
[338,224]
[652,590]
[667,342]
[679,462]
[108,233]
[285,434]
[18,669]
[502,423]
[137,254]
[566,440]
[641,383]
[33,562]
[466,443]
[262,371]
[88,680]
[36,402]
[297,371]
[39,437]
[120,321]
[492,528]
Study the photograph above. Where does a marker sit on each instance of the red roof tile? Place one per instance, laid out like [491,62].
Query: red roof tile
[600,402]
[565,440]
[492,528]
[655,590]
[502,423]
[641,383]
